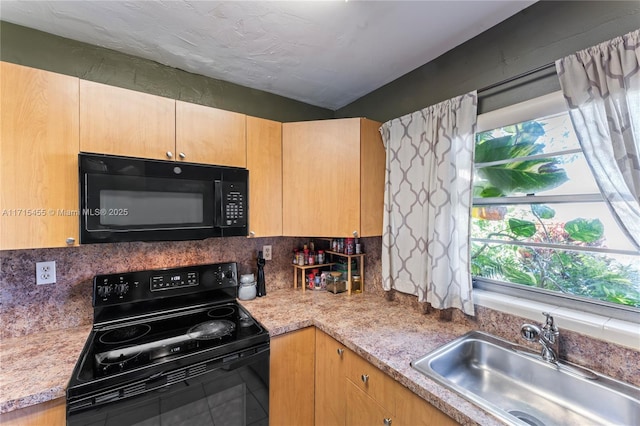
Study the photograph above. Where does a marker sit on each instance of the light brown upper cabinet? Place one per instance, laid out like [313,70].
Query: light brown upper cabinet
[333,178]
[264,161]
[210,136]
[125,122]
[38,158]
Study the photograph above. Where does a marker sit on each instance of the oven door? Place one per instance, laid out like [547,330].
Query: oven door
[232,390]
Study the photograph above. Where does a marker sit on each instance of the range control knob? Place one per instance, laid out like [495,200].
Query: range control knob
[104,290]
[122,289]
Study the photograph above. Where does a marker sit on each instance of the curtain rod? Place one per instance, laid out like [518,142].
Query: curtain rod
[516,77]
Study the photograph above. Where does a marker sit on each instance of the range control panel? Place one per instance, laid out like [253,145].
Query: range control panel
[171,281]
[147,285]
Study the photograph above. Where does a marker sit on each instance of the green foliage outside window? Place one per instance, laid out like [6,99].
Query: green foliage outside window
[529,244]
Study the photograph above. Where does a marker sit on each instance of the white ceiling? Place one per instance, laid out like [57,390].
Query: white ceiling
[325,53]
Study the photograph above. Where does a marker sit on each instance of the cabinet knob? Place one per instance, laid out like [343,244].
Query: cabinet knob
[252,234]
[169,154]
[365,378]
[71,241]
[355,234]
[387,422]
[182,155]
[340,352]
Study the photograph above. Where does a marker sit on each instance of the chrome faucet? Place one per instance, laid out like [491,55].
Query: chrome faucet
[548,336]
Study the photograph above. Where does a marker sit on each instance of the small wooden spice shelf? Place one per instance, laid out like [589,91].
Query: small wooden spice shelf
[300,269]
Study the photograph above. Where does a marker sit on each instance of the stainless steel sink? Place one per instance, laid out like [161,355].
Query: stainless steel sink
[520,388]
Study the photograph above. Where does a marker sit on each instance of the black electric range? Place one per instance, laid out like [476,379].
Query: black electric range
[156,332]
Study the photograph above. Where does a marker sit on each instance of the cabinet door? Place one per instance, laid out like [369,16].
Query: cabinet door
[372,176]
[291,399]
[321,178]
[264,161]
[330,380]
[51,413]
[210,136]
[38,158]
[364,410]
[411,410]
[124,122]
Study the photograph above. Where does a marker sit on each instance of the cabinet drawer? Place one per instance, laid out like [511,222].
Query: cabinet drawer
[364,410]
[371,381]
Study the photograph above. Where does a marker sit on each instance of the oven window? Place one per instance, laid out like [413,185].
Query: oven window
[150,207]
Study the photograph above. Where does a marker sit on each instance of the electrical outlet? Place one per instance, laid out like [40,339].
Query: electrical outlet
[46,272]
[266,252]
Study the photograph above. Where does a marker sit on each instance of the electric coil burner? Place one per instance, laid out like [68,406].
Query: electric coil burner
[160,335]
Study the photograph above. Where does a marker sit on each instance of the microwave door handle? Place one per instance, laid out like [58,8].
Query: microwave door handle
[218,206]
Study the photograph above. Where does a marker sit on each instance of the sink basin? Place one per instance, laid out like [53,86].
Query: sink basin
[517,386]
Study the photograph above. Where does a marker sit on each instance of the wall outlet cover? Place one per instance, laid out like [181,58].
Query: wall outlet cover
[266,252]
[46,272]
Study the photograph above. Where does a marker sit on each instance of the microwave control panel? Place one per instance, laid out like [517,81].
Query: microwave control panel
[234,208]
[232,200]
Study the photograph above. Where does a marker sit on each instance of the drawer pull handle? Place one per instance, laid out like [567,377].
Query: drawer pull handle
[340,352]
[387,422]
[365,378]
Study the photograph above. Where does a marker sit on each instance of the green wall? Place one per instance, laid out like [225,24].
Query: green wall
[41,50]
[540,34]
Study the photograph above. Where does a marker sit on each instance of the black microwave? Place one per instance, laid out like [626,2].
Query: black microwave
[135,199]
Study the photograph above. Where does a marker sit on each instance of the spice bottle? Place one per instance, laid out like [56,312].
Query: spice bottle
[350,248]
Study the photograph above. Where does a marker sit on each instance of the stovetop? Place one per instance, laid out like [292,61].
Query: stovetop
[154,341]
[197,322]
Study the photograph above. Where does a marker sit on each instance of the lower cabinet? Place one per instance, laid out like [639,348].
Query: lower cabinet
[291,382]
[51,413]
[411,410]
[330,390]
[364,410]
[350,391]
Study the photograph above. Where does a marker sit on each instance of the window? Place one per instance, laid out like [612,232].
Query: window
[539,223]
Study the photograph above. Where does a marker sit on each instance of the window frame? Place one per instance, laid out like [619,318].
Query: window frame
[552,103]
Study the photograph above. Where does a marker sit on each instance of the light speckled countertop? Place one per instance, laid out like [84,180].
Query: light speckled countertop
[36,368]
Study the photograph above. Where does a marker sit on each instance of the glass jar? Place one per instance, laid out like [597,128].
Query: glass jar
[356,284]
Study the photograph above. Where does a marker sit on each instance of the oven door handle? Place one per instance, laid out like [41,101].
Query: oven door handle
[242,358]
[155,377]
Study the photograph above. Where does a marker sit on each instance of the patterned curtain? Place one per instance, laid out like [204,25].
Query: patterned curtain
[602,88]
[425,241]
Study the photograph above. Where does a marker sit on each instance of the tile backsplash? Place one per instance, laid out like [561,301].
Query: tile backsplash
[27,308]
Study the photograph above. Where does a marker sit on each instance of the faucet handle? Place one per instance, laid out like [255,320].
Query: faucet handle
[550,324]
